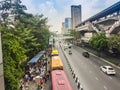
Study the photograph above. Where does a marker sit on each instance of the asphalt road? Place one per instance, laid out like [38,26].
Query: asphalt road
[88,71]
[66,69]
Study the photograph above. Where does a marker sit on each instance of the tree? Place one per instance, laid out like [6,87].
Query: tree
[75,34]
[41,31]
[99,41]
[13,56]
[21,40]
[114,42]
[11,7]
[38,33]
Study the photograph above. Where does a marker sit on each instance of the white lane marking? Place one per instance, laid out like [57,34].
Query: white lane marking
[110,77]
[105,88]
[96,78]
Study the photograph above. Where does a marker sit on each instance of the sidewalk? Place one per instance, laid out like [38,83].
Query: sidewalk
[48,83]
[38,71]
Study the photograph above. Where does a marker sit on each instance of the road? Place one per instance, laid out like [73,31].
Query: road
[67,70]
[88,71]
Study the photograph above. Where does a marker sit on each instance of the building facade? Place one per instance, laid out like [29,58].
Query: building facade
[68,25]
[63,28]
[75,15]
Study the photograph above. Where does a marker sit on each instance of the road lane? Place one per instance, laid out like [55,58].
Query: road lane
[98,62]
[67,70]
[89,74]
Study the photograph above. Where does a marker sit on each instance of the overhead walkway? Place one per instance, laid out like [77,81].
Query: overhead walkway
[94,27]
[106,21]
[108,11]
[102,20]
[115,28]
[89,27]
[84,27]
[111,26]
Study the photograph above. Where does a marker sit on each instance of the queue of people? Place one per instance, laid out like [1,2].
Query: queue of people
[36,73]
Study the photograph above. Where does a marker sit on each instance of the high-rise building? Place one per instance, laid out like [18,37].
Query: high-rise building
[67,24]
[63,27]
[75,15]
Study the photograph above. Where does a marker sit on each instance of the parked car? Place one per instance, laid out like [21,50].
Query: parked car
[86,54]
[108,70]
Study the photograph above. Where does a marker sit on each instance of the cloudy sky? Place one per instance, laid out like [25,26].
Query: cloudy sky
[58,10]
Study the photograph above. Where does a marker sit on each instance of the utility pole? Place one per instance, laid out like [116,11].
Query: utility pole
[1,68]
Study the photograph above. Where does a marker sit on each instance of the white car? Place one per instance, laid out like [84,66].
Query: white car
[108,70]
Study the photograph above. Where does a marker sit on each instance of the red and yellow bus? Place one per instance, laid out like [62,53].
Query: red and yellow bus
[60,80]
[56,63]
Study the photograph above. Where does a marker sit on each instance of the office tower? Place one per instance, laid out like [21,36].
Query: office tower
[67,24]
[63,27]
[75,15]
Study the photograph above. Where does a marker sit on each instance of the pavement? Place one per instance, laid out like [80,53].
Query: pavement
[46,86]
[48,83]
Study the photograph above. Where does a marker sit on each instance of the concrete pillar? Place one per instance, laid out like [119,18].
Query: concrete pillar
[1,68]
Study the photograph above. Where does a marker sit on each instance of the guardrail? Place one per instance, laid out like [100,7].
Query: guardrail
[79,85]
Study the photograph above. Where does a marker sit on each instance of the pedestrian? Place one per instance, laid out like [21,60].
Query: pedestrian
[47,75]
[44,78]
[41,80]
[21,86]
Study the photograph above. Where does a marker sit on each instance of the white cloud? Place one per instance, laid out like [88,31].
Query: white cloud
[58,10]
[48,9]
[30,7]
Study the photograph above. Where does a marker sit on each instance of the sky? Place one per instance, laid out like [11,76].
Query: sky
[58,10]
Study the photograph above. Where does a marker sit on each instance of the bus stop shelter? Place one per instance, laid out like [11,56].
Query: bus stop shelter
[37,57]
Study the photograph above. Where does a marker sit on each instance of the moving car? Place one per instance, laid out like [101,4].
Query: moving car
[85,54]
[70,52]
[108,70]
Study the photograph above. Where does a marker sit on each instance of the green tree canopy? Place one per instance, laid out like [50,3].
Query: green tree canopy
[13,56]
[21,39]
[98,41]
[114,42]
[75,34]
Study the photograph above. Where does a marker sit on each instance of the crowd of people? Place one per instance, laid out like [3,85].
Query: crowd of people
[36,73]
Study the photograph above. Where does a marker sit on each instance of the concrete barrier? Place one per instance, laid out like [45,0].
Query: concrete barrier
[74,75]
[79,86]
[76,79]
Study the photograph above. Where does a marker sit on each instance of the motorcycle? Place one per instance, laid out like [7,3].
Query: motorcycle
[70,52]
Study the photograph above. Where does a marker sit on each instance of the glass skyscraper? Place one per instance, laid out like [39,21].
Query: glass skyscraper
[75,15]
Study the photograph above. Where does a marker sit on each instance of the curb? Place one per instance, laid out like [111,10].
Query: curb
[105,60]
[101,58]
